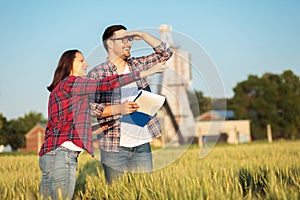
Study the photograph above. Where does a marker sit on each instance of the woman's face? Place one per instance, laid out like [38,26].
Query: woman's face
[79,65]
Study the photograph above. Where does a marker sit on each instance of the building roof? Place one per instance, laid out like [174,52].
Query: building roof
[35,129]
[216,115]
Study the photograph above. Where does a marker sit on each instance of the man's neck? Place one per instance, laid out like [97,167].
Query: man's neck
[120,63]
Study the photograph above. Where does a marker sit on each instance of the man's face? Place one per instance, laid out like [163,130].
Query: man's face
[121,46]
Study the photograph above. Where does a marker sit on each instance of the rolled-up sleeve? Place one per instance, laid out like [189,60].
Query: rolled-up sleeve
[96,109]
[160,48]
[161,54]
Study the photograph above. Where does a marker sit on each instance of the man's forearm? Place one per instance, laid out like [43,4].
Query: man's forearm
[125,108]
[148,38]
[111,110]
[151,40]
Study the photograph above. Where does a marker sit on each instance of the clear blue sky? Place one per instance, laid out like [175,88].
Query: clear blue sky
[241,37]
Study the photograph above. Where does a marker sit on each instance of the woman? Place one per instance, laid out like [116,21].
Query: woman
[68,131]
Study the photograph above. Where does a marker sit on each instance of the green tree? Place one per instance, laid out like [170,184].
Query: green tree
[270,99]
[14,130]
[3,122]
[30,120]
[15,134]
[198,103]
[289,104]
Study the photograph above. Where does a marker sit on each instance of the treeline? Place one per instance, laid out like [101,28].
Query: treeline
[13,131]
[270,99]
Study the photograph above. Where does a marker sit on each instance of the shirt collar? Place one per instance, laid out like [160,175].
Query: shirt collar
[113,67]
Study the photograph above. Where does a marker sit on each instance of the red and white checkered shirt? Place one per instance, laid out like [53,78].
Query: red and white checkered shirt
[110,141]
[69,117]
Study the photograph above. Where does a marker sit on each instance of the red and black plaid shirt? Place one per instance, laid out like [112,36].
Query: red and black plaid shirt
[69,116]
[111,139]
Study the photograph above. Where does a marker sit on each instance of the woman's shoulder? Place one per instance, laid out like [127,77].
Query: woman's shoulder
[68,82]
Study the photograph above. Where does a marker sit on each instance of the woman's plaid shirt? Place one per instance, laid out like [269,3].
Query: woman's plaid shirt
[110,140]
[69,117]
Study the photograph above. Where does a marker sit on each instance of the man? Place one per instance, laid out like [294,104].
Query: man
[126,147]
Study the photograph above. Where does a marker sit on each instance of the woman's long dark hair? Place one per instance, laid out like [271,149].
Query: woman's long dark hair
[64,67]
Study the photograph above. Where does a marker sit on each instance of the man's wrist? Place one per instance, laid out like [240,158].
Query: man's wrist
[143,35]
[117,109]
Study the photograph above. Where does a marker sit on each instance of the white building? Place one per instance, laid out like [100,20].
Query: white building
[219,126]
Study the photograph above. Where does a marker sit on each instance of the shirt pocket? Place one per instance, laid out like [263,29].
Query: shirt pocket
[47,162]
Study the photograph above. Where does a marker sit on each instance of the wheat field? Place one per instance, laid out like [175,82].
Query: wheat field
[258,170]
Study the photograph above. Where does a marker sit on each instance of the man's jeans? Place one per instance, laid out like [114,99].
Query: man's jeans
[131,159]
[58,173]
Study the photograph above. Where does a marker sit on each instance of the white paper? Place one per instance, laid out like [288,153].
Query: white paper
[149,103]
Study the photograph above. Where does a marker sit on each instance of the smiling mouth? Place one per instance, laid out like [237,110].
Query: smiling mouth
[127,49]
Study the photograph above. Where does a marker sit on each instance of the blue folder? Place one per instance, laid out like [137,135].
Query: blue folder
[136,118]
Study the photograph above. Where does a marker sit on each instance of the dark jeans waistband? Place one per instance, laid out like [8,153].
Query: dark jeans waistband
[144,147]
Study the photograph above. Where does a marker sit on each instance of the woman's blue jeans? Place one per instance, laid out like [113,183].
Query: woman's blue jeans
[58,173]
[131,159]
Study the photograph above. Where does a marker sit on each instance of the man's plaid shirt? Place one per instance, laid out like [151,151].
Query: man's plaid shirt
[111,138]
[69,117]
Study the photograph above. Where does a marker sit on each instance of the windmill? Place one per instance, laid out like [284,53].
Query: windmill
[178,121]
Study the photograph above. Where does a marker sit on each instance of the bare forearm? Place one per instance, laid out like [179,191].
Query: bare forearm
[111,110]
[124,109]
[150,39]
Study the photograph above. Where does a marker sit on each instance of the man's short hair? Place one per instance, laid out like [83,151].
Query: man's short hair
[109,31]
